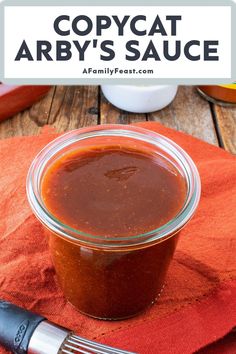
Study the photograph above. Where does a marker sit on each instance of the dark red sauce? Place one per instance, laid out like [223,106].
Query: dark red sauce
[112,192]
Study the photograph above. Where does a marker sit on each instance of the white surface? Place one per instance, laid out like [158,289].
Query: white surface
[139,99]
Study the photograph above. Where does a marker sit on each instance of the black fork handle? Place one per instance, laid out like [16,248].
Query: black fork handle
[16,327]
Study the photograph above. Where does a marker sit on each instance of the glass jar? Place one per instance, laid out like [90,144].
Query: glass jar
[112,277]
[224,95]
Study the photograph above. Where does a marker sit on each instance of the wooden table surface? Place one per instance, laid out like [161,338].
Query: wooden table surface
[71,107]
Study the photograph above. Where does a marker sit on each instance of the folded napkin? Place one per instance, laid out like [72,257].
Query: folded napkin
[198,304]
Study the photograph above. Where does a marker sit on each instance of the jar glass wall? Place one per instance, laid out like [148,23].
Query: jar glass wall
[112,277]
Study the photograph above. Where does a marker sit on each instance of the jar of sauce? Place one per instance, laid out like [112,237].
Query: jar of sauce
[113,199]
[224,95]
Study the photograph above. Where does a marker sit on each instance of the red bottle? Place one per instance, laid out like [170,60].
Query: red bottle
[14,99]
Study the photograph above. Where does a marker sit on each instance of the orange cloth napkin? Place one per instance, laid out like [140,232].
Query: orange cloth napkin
[198,305]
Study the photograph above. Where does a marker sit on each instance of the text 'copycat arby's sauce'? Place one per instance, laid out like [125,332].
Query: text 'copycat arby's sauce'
[112,191]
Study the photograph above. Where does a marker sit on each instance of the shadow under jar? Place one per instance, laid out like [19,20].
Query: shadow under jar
[113,200]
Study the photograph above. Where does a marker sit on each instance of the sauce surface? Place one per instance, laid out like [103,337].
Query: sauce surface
[113,191]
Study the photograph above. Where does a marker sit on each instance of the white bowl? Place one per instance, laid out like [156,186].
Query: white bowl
[139,99]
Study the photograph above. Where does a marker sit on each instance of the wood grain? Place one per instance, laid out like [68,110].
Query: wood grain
[188,113]
[74,107]
[225,118]
[30,121]
[112,115]
[70,107]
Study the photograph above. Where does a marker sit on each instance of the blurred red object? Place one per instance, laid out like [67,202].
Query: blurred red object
[14,99]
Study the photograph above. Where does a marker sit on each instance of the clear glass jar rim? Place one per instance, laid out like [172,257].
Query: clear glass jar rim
[129,131]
